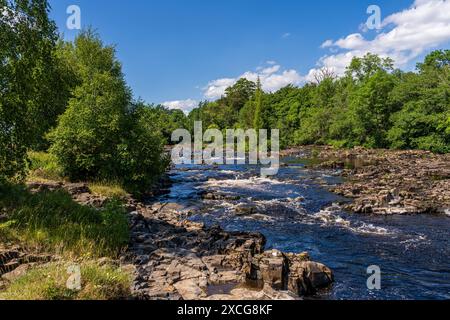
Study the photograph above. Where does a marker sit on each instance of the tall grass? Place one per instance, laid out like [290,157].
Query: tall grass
[48,282]
[108,189]
[53,222]
[43,167]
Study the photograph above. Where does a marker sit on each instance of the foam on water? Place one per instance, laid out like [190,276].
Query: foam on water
[251,182]
[330,217]
[447,212]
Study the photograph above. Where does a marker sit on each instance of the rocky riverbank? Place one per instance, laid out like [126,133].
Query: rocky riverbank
[173,258]
[385,181]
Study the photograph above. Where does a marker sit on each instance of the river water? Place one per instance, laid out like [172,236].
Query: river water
[296,213]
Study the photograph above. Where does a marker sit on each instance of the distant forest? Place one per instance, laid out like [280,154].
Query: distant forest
[372,105]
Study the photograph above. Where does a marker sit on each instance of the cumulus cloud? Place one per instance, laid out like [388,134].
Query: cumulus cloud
[404,36]
[272,77]
[184,105]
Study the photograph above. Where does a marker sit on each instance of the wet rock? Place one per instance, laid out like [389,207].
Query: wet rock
[272,268]
[218,196]
[246,210]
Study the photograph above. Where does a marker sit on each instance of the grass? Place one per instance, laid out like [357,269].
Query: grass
[48,282]
[53,222]
[108,189]
[43,167]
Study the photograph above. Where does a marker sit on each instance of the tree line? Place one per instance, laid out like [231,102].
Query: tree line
[372,105]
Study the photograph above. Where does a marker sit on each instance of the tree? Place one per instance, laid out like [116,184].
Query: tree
[102,135]
[423,121]
[258,122]
[29,89]
[367,66]
[141,153]
[371,108]
[86,139]
[238,94]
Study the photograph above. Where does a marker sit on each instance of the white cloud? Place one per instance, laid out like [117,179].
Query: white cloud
[271,70]
[272,78]
[286,35]
[327,44]
[216,88]
[404,36]
[184,105]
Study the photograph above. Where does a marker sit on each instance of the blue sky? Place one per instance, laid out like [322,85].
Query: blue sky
[189,50]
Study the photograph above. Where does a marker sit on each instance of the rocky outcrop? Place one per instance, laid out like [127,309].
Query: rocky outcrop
[174,258]
[391,182]
[292,272]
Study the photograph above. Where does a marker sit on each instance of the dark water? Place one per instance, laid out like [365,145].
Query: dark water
[296,213]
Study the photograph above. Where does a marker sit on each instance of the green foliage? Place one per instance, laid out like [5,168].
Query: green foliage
[48,282]
[31,93]
[422,122]
[89,132]
[141,156]
[101,135]
[52,221]
[162,120]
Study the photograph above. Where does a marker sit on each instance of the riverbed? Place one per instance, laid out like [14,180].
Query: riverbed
[296,213]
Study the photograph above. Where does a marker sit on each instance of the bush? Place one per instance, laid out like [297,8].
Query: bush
[48,282]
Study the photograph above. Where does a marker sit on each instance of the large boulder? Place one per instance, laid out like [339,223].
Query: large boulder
[292,272]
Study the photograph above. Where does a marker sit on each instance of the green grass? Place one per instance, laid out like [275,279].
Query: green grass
[43,167]
[53,222]
[108,189]
[48,282]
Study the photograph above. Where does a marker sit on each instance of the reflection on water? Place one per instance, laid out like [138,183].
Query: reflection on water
[296,213]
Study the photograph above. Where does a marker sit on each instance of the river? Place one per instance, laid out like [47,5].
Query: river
[296,213]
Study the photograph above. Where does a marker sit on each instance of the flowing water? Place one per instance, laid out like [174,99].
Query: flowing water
[296,213]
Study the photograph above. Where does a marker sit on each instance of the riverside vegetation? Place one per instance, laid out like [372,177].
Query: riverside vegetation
[76,149]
